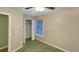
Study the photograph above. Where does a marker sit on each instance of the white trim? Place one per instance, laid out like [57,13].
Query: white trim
[33,29]
[17,48]
[53,45]
[9,30]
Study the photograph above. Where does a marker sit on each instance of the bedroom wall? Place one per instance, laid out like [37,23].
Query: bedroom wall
[62,28]
[16,40]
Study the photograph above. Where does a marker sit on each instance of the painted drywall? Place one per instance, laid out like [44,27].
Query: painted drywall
[3,30]
[28,29]
[16,34]
[61,28]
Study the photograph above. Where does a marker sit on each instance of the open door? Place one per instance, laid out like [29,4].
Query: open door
[3,33]
[28,29]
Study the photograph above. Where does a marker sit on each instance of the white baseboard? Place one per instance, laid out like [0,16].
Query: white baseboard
[54,46]
[17,48]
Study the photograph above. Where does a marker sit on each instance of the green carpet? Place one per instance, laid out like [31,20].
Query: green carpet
[37,46]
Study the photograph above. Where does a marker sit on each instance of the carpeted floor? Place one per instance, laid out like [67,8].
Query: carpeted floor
[37,46]
[4,49]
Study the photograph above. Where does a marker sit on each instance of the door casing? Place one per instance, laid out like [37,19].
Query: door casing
[9,29]
[32,30]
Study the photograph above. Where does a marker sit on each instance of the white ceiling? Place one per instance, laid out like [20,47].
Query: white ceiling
[32,11]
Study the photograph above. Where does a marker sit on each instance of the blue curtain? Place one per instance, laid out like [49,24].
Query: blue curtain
[39,27]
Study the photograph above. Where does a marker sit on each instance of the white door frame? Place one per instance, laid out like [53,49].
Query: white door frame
[9,30]
[33,29]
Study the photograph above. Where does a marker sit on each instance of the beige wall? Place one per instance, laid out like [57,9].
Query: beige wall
[16,27]
[62,28]
[26,17]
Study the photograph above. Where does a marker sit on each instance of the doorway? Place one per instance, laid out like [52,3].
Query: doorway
[28,30]
[4,32]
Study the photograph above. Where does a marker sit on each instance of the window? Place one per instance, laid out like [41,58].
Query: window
[39,28]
